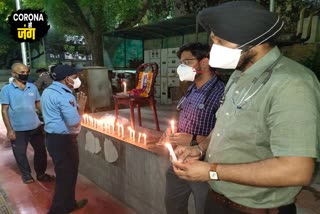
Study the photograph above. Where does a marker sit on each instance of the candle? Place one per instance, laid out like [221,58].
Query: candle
[144,138]
[98,124]
[172,126]
[124,87]
[85,118]
[101,124]
[118,126]
[95,123]
[104,126]
[133,135]
[139,137]
[112,127]
[130,132]
[122,131]
[90,121]
[172,154]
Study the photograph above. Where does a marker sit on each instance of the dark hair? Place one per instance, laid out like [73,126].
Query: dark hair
[40,70]
[197,49]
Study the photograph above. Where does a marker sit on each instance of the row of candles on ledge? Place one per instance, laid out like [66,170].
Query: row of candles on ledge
[108,127]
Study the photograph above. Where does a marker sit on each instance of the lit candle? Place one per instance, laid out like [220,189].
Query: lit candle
[98,124]
[118,126]
[172,154]
[85,118]
[90,121]
[122,131]
[130,132]
[101,124]
[124,87]
[104,126]
[112,127]
[172,126]
[144,138]
[139,137]
[133,135]
[95,123]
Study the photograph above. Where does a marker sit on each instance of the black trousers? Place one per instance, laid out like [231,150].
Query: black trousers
[212,207]
[19,147]
[64,152]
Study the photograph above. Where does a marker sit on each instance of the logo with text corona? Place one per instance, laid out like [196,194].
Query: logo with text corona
[28,25]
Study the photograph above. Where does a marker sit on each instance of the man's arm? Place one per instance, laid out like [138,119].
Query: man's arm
[274,172]
[5,116]
[81,100]
[180,138]
[277,171]
[38,106]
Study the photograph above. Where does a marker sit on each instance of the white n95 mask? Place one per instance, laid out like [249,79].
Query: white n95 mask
[186,73]
[76,83]
[223,57]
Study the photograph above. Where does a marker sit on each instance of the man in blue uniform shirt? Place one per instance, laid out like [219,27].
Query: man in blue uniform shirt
[62,116]
[20,101]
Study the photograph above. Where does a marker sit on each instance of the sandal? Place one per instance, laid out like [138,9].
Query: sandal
[46,178]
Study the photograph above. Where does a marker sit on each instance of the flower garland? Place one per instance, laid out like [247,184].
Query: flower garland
[144,84]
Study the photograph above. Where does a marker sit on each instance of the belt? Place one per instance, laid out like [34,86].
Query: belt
[72,137]
[227,203]
[56,134]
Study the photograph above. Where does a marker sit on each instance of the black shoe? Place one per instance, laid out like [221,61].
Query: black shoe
[46,178]
[27,179]
[80,204]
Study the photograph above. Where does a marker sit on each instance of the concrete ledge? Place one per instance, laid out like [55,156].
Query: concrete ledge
[135,174]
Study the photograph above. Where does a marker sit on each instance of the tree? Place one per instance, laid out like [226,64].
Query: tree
[93,18]
[7,44]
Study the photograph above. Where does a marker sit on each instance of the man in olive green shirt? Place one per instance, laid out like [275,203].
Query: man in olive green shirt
[266,139]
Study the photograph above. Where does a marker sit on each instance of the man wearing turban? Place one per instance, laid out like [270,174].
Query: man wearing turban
[266,138]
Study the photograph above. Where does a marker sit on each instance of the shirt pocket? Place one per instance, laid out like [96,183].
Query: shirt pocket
[243,127]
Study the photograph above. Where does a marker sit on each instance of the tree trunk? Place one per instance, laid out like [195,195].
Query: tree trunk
[95,42]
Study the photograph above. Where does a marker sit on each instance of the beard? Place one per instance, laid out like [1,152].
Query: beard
[246,59]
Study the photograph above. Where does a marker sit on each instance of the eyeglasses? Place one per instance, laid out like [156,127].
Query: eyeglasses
[186,61]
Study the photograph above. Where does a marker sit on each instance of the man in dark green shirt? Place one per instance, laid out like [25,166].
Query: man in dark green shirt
[266,139]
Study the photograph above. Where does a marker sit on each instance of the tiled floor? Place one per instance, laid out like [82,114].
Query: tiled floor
[35,198]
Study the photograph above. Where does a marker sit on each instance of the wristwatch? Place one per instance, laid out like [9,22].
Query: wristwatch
[194,141]
[213,172]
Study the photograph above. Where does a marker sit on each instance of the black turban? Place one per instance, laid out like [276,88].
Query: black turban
[240,22]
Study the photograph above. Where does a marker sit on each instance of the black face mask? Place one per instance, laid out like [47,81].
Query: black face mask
[23,77]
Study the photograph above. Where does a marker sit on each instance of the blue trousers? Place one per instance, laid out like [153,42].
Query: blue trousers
[63,149]
[19,147]
[178,192]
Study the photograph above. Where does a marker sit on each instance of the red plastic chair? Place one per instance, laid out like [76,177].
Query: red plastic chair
[136,100]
